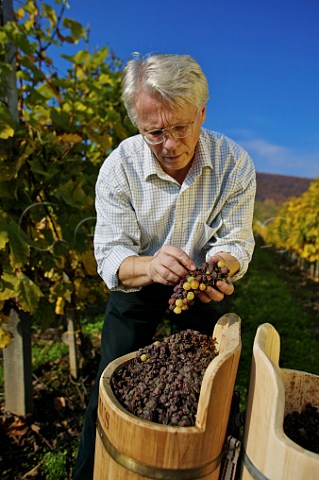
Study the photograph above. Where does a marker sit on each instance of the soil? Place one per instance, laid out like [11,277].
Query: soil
[59,403]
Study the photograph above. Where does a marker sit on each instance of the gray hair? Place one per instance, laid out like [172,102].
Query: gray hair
[177,79]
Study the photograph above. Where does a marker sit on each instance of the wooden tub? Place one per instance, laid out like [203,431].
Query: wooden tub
[131,448]
[273,393]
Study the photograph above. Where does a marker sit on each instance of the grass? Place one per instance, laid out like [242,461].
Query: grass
[272,292]
[47,351]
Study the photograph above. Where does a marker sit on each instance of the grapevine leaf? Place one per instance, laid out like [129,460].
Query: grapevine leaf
[10,285]
[29,294]
[4,238]
[8,190]
[77,30]
[7,123]
[15,237]
[89,262]
[99,57]
[60,118]
[5,337]
[73,194]
[81,57]
[49,12]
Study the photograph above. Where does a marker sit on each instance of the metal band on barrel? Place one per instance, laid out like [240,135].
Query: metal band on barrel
[156,473]
[254,472]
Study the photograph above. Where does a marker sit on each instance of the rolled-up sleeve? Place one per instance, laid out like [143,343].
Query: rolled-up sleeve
[116,235]
[235,235]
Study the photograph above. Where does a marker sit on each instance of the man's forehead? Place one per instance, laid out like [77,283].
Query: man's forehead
[155,113]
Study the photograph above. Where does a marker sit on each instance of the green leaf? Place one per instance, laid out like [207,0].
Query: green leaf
[8,190]
[60,118]
[6,131]
[49,12]
[99,57]
[30,7]
[7,122]
[82,56]
[77,30]
[44,315]
[46,171]
[73,194]
[5,69]
[10,284]
[29,294]
[19,248]
[5,337]
[4,238]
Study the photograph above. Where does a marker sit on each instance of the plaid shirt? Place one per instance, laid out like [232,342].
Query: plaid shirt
[140,208]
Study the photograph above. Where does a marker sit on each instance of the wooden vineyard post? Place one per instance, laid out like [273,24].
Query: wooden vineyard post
[69,338]
[18,365]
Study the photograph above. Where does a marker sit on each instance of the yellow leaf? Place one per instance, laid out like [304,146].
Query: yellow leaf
[59,306]
[89,262]
[70,138]
[6,131]
[5,337]
[20,13]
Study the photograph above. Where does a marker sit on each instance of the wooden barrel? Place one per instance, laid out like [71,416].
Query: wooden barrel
[131,448]
[273,393]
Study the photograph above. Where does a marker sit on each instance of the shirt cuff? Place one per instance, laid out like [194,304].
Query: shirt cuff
[109,266]
[236,253]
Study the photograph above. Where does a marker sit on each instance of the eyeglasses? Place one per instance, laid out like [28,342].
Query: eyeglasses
[155,137]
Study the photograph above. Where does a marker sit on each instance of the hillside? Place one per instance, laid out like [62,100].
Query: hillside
[280,187]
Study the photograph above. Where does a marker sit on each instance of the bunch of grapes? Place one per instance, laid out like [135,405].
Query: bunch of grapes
[196,281]
[162,383]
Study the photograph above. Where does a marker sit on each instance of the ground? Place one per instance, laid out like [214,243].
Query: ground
[44,445]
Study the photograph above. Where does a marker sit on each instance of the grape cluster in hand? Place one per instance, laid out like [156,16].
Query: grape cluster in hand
[194,283]
[162,383]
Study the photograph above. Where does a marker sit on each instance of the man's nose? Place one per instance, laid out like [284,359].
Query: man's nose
[169,140]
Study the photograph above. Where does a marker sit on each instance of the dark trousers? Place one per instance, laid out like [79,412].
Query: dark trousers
[131,320]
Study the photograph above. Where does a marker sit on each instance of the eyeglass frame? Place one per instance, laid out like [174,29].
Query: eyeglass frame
[169,129]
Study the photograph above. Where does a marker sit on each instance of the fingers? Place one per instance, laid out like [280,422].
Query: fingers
[178,256]
[224,287]
[226,260]
[169,265]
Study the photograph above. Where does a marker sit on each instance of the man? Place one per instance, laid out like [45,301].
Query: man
[167,200]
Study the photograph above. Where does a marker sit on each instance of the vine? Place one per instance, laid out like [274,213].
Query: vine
[296,227]
[49,160]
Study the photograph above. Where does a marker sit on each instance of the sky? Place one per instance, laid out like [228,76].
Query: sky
[261,59]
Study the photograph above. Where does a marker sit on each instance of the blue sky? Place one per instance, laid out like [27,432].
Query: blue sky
[261,58]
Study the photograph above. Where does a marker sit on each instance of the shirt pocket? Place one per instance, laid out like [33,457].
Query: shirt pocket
[207,234]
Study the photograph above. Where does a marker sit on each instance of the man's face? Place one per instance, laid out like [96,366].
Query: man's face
[173,154]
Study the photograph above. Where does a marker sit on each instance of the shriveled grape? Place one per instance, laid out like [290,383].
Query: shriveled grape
[162,382]
[194,283]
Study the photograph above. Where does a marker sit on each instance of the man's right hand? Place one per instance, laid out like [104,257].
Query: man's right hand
[169,265]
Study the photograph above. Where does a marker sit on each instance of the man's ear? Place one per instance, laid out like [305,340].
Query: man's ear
[203,115]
